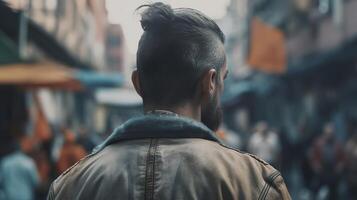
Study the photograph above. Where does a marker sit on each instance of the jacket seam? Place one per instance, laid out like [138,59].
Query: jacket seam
[51,194]
[150,170]
[156,146]
[146,169]
[263,191]
[244,153]
[266,192]
[271,178]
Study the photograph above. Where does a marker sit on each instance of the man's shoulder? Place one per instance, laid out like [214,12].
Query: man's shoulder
[273,183]
[257,164]
[220,155]
[247,170]
[240,155]
[98,163]
[67,175]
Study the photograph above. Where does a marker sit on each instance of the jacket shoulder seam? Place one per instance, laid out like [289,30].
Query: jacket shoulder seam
[269,182]
[64,174]
[246,153]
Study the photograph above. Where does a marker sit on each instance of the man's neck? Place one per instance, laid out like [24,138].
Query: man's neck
[186,110]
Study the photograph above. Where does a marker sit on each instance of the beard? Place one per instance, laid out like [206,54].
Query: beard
[212,114]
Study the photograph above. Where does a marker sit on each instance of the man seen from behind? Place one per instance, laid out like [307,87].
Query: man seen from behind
[172,152]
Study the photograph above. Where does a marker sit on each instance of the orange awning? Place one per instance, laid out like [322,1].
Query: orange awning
[267,48]
[45,74]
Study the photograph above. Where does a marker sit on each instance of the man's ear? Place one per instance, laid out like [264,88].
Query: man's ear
[208,84]
[136,83]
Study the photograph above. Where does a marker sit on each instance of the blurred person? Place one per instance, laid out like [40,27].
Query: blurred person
[351,165]
[265,144]
[172,152]
[70,153]
[44,168]
[326,158]
[241,123]
[18,174]
[301,153]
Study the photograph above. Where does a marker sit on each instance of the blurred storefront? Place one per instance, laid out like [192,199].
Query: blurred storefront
[301,64]
[78,26]
[52,63]
[301,56]
[37,55]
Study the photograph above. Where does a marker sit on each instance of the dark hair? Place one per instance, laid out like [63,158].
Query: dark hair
[177,46]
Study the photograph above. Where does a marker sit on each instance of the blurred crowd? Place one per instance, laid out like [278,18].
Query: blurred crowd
[320,166]
[28,166]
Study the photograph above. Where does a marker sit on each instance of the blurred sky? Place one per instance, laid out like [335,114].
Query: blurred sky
[123,12]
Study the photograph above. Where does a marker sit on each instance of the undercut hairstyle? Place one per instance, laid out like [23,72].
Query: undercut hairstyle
[176,48]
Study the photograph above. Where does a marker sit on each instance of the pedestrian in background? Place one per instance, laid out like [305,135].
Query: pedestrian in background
[327,161]
[18,173]
[70,153]
[351,165]
[265,144]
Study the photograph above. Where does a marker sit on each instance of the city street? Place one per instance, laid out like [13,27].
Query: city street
[289,97]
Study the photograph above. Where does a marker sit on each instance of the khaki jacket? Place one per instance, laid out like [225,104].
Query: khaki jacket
[168,157]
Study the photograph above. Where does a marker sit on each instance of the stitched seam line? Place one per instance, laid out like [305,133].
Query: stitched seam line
[272,177]
[150,170]
[262,192]
[147,170]
[266,187]
[153,167]
[266,192]
[274,174]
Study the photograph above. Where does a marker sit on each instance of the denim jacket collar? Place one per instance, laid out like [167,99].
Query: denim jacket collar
[156,125]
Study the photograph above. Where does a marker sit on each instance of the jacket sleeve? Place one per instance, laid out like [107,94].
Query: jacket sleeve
[275,188]
[51,193]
